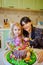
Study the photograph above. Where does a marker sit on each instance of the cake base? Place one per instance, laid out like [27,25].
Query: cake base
[19,62]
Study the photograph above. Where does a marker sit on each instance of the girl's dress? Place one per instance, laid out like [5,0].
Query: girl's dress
[16,41]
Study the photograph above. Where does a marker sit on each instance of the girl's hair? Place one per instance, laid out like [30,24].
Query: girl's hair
[25,20]
[15,24]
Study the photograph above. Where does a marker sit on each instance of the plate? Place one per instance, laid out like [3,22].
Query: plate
[21,62]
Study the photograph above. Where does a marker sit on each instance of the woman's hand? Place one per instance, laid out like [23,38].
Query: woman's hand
[26,39]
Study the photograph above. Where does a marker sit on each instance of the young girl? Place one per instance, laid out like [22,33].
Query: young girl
[18,41]
[17,38]
[16,35]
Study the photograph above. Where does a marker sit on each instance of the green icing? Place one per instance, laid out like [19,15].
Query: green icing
[21,62]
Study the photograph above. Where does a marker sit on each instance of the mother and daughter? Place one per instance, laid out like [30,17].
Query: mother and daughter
[23,33]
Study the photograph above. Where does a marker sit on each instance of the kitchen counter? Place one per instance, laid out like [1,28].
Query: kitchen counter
[3,61]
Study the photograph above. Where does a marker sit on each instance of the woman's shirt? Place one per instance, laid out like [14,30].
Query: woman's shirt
[36,36]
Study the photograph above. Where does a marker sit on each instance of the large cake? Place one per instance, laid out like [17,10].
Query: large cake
[21,56]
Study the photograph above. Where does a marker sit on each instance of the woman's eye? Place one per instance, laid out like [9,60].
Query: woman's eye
[22,24]
[19,29]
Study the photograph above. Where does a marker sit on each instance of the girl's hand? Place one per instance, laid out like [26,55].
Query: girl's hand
[8,45]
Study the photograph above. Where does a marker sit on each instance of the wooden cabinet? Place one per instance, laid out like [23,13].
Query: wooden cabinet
[26,4]
[10,3]
[33,4]
[29,4]
[0,3]
[41,4]
[38,4]
[20,4]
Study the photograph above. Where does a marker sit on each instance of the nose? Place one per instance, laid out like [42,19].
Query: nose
[17,31]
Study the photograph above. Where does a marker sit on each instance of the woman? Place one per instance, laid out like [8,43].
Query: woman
[30,31]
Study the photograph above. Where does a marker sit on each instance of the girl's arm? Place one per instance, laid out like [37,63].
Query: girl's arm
[7,45]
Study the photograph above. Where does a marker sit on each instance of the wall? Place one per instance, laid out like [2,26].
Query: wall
[15,16]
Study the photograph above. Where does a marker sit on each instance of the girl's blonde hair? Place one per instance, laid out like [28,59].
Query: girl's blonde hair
[15,24]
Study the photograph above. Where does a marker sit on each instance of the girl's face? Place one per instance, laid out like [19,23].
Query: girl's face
[27,26]
[17,30]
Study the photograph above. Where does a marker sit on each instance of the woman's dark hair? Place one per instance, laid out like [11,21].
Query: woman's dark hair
[25,20]
[25,33]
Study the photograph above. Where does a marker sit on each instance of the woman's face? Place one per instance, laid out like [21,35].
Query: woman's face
[27,26]
[17,30]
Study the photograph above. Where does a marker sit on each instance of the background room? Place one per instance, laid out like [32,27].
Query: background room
[14,10]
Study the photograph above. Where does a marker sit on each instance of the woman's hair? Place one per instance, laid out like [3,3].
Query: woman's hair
[15,24]
[24,20]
